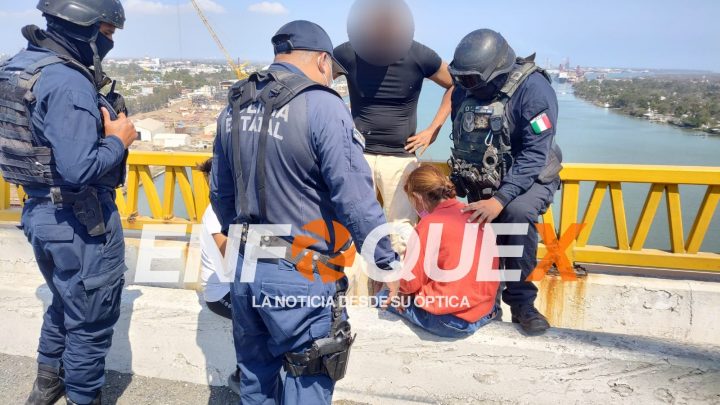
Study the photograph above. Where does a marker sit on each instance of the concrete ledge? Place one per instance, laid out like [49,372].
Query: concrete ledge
[168,334]
[676,309]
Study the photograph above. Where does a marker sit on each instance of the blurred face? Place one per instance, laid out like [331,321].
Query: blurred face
[381,31]
[381,28]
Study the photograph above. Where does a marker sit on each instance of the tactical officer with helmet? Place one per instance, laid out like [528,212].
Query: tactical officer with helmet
[286,153]
[66,145]
[504,157]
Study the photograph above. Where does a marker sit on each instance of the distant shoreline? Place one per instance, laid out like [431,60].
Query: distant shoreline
[660,119]
[688,103]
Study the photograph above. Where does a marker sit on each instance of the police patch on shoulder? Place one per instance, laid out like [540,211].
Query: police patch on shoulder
[541,123]
[359,137]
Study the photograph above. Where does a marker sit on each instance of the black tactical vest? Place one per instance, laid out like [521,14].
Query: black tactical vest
[23,161]
[481,152]
[279,88]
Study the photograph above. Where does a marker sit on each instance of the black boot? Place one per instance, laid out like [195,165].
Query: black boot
[48,387]
[234,381]
[96,401]
[530,319]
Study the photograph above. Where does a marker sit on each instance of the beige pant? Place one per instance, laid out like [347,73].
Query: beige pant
[389,174]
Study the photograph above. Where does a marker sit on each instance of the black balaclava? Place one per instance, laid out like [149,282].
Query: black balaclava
[489,91]
[86,44]
[104,45]
[74,37]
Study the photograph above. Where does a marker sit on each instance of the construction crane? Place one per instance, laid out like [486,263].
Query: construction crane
[239,71]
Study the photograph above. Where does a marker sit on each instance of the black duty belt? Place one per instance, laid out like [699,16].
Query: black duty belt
[85,204]
[275,241]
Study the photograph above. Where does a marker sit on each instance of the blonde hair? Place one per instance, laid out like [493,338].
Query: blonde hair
[430,184]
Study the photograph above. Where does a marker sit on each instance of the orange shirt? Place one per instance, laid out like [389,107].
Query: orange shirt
[465,298]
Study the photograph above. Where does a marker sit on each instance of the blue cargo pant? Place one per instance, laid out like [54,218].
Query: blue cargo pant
[280,311]
[526,208]
[85,276]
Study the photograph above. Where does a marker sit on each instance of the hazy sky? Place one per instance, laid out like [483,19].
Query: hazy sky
[625,33]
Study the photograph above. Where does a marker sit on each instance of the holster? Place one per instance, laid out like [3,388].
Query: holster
[331,355]
[328,356]
[86,207]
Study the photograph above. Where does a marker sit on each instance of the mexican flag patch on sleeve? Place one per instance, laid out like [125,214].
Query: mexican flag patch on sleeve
[541,123]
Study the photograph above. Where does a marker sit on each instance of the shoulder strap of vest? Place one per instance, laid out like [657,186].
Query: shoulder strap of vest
[521,73]
[291,85]
[32,73]
[280,88]
[73,64]
[518,76]
[287,86]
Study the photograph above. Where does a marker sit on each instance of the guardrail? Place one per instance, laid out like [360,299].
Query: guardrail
[664,181]
[179,171]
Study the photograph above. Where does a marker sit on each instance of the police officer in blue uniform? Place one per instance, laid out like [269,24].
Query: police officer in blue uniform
[287,153]
[504,158]
[69,155]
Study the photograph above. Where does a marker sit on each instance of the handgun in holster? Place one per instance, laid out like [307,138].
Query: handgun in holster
[335,351]
[86,207]
[329,356]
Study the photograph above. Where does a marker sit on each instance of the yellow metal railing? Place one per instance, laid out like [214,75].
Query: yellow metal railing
[664,181]
[179,172]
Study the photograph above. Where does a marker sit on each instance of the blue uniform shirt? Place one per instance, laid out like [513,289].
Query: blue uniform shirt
[66,117]
[530,151]
[314,171]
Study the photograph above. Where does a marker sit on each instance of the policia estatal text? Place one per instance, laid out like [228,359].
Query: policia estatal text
[286,153]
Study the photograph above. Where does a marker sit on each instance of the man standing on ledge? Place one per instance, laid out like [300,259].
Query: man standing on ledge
[386,70]
[286,154]
[505,159]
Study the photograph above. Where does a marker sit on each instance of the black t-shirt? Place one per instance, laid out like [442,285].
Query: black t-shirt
[384,99]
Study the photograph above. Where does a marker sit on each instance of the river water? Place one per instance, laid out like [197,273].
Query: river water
[590,134]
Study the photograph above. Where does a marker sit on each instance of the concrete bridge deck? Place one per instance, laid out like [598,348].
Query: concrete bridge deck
[181,353]
[622,340]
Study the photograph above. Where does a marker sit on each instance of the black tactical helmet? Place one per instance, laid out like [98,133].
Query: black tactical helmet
[85,13]
[481,56]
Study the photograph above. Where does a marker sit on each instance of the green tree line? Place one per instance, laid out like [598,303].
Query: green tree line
[690,102]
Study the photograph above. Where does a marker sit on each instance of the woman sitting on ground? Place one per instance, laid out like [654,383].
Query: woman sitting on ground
[444,308]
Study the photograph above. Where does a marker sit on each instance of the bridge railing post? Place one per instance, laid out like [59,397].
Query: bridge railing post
[569,212]
[4,195]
